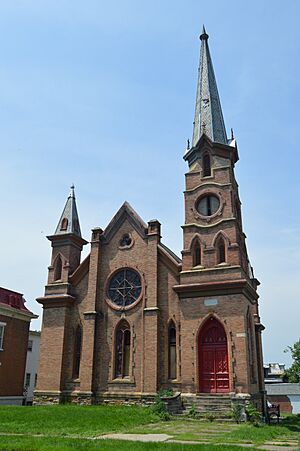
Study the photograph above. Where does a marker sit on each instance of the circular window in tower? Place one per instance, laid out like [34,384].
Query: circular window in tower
[124,288]
[208,205]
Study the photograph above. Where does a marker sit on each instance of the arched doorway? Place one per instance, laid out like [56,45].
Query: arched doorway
[213,358]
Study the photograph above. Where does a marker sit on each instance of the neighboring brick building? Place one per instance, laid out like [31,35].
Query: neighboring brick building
[287,395]
[14,327]
[33,354]
[133,318]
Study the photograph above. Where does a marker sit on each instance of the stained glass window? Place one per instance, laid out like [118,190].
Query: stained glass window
[125,287]
[221,251]
[172,351]
[77,352]
[122,351]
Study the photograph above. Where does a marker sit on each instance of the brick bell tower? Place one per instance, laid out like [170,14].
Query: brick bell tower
[67,245]
[217,281]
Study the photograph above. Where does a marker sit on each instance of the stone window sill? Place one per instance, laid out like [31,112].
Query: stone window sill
[127,380]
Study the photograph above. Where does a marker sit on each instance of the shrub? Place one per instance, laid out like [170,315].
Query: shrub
[253,415]
[159,408]
[165,393]
[193,413]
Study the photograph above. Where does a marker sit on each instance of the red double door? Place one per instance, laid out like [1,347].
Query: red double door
[213,358]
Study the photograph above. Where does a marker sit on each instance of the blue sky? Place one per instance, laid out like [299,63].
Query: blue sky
[101,94]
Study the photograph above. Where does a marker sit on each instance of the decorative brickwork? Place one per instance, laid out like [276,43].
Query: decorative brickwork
[212,283]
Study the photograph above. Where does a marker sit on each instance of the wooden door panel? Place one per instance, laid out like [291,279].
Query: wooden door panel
[213,359]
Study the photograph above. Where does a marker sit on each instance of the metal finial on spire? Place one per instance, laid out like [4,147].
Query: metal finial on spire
[208,109]
[188,144]
[232,134]
[72,194]
[204,35]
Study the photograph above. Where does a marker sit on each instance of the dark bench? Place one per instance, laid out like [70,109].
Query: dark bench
[273,412]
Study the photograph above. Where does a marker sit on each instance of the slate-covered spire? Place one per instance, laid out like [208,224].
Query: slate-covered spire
[69,220]
[208,111]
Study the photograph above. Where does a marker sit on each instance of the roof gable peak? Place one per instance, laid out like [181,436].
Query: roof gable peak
[125,212]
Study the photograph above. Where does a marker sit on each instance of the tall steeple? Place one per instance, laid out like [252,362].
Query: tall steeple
[69,220]
[208,111]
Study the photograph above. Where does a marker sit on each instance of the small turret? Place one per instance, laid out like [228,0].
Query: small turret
[69,221]
[66,242]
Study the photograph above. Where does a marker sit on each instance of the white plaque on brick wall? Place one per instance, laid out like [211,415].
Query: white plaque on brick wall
[210,302]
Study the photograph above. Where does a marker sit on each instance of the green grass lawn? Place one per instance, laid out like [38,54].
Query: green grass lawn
[68,427]
[215,432]
[86,421]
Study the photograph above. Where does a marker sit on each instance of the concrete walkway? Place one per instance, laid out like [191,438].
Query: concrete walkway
[137,437]
[268,446]
[284,445]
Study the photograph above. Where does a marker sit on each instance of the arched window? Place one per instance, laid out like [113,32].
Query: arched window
[206,165]
[58,268]
[122,353]
[172,351]
[221,251]
[77,352]
[197,254]
[64,224]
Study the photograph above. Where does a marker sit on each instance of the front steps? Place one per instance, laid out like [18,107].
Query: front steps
[217,406]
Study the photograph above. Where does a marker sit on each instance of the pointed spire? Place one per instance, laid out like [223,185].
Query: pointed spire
[208,111]
[69,220]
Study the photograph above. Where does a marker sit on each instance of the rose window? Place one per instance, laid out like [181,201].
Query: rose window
[125,287]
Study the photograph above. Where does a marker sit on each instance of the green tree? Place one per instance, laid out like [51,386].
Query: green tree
[292,374]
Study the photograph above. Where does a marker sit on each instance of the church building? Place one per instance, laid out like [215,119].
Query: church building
[133,318]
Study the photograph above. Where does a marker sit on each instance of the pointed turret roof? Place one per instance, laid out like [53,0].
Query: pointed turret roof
[208,111]
[69,220]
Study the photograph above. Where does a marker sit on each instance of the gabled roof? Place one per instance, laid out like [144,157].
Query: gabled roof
[171,253]
[69,220]
[126,212]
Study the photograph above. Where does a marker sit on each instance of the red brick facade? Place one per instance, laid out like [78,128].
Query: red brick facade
[186,294]
[208,298]
[15,321]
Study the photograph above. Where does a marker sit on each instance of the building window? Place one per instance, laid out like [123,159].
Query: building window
[2,327]
[172,351]
[123,339]
[208,205]
[126,240]
[77,352]
[29,346]
[27,379]
[35,380]
[58,268]
[197,255]
[221,251]
[64,224]
[206,165]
